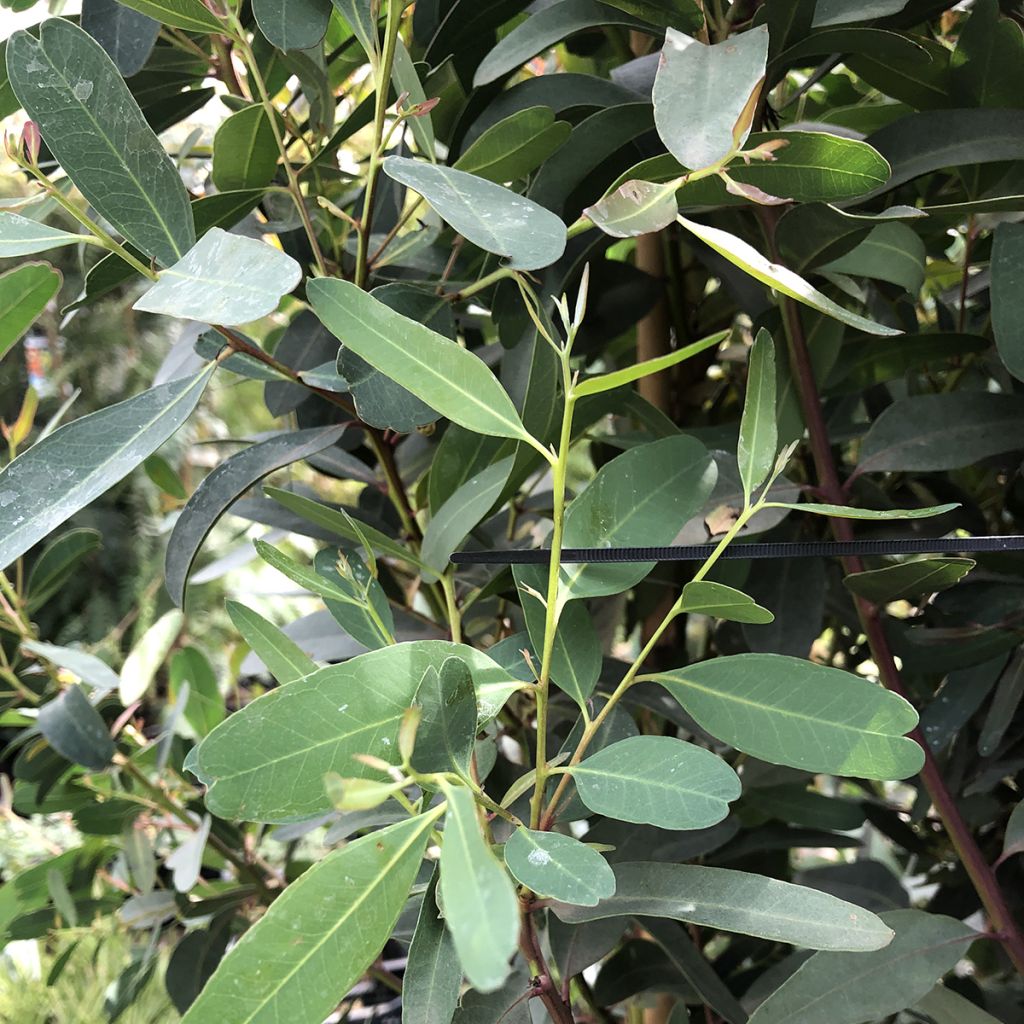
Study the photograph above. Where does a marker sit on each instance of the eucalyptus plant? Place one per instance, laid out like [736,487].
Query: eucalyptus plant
[536,277]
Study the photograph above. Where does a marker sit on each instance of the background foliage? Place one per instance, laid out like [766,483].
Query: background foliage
[367,283]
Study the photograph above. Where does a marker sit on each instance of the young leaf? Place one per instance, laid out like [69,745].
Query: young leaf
[282,656]
[447,732]
[21,236]
[292,24]
[223,279]
[472,878]
[636,208]
[146,657]
[126,35]
[800,714]
[707,598]
[433,975]
[657,780]
[748,259]
[72,91]
[559,867]
[95,673]
[759,438]
[908,579]
[488,215]
[846,512]
[448,378]
[702,94]
[75,730]
[52,480]
[320,934]
[736,901]
[364,613]
[855,987]
[407,80]
[451,523]
[24,293]
[628,374]
[226,484]
[267,761]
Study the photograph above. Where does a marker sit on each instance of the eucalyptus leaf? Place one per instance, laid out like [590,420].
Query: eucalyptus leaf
[736,901]
[447,732]
[284,659]
[515,146]
[706,597]
[147,655]
[559,867]
[71,89]
[75,729]
[244,150]
[64,472]
[292,24]
[223,279]
[759,438]
[636,208]
[95,673]
[1007,292]
[908,579]
[433,972]
[797,713]
[488,215]
[473,878]
[345,905]
[191,15]
[21,236]
[126,35]
[225,485]
[24,293]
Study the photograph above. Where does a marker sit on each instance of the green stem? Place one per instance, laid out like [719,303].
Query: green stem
[590,730]
[484,283]
[382,76]
[452,604]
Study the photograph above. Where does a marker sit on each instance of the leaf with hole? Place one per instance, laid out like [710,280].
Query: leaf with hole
[559,867]
[797,713]
[657,780]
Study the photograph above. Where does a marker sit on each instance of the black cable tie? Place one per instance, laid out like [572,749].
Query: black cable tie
[774,549]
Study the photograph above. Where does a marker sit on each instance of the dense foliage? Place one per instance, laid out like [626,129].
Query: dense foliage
[463,276]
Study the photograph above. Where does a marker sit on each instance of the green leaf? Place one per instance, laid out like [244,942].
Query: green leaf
[1002,710]
[892,252]
[943,431]
[406,79]
[344,525]
[851,988]
[488,215]
[190,15]
[657,780]
[702,94]
[97,674]
[685,15]
[944,1006]
[244,150]
[126,35]
[147,655]
[357,14]
[73,727]
[800,806]
[707,598]
[516,146]
[226,484]
[452,522]
[20,236]
[64,472]
[908,579]
[447,732]
[545,28]
[839,12]
[875,515]
[560,867]
[320,934]
[748,259]
[1007,296]
[205,707]
[72,90]
[636,208]
[576,655]
[800,714]
[644,496]
[59,559]
[223,279]
[282,656]
[24,294]
[879,44]
[811,167]
[266,762]
[433,971]
[759,437]
[987,62]
[449,379]
[618,378]
[292,24]
[62,900]
[736,901]
[1013,837]
[162,475]
[472,878]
